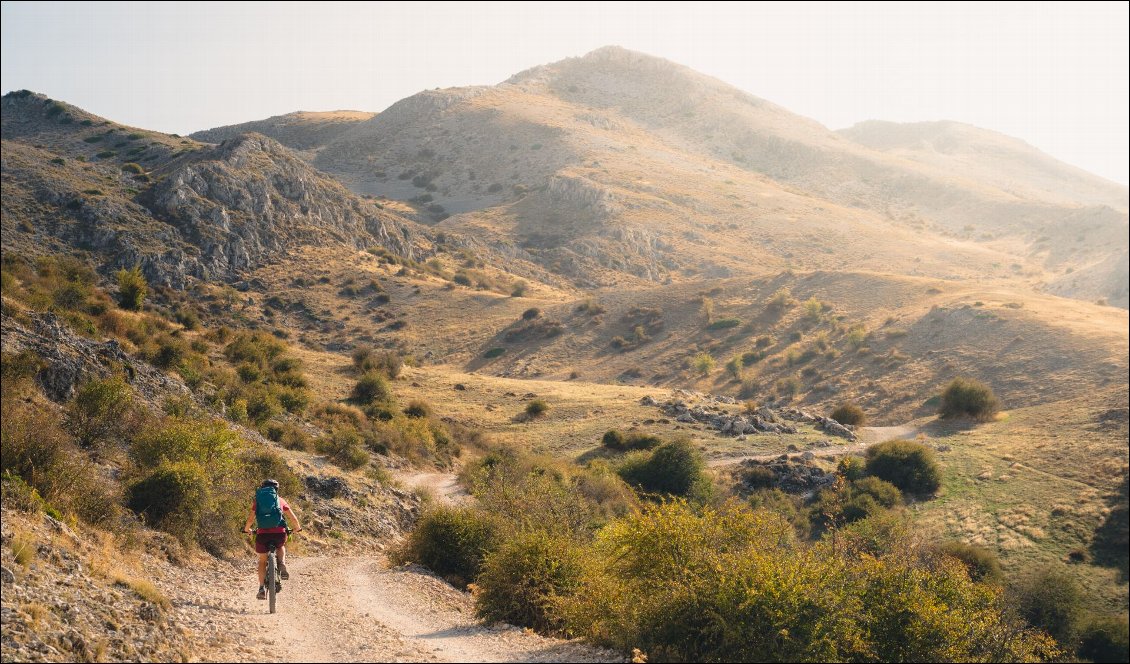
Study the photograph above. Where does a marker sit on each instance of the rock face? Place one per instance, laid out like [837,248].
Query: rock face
[710,411]
[177,208]
[69,360]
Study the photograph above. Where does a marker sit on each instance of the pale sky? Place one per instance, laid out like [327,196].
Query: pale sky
[1054,75]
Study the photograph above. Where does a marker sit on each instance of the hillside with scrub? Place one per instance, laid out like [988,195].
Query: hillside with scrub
[609,361]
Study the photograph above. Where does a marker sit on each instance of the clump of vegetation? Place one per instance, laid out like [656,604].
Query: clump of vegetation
[674,468]
[967,397]
[781,301]
[908,465]
[981,563]
[633,440]
[371,388]
[452,542]
[536,408]
[724,324]
[703,363]
[849,413]
[388,363]
[132,288]
[521,582]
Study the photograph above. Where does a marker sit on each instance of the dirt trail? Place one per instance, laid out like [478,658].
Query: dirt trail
[358,609]
[444,486]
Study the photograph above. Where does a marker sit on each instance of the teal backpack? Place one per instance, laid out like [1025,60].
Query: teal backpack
[268,514]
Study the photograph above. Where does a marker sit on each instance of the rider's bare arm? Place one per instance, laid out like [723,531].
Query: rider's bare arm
[291,515]
[250,521]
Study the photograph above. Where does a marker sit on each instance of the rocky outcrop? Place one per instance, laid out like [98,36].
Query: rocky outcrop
[711,411]
[250,201]
[790,475]
[68,360]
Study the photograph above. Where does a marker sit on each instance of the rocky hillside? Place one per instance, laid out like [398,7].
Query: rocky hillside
[176,207]
[300,131]
[620,166]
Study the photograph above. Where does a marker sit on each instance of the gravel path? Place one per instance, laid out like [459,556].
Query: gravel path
[358,609]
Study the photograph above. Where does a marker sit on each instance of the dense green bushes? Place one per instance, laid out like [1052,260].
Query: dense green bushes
[372,388]
[674,468]
[908,465]
[849,413]
[452,542]
[982,564]
[966,397]
[615,440]
[522,582]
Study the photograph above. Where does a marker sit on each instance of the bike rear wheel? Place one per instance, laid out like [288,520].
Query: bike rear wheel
[272,579]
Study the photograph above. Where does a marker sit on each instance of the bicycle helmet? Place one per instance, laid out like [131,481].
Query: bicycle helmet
[270,483]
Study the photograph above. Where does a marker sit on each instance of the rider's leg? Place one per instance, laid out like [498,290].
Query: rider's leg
[262,569]
[283,572]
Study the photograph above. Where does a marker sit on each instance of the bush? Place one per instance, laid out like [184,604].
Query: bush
[521,582]
[884,493]
[493,353]
[1105,639]
[966,397]
[908,465]
[519,288]
[758,477]
[184,440]
[724,324]
[1052,600]
[373,387]
[850,414]
[132,167]
[852,468]
[674,468]
[387,362]
[132,289]
[173,498]
[452,542]
[615,440]
[537,408]
[981,563]
[343,447]
[98,412]
[703,363]
[531,313]
[418,408]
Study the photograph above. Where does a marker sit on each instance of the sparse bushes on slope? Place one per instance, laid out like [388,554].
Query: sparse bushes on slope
[387,362]
[1051,599]
[536,408]
[99,411]
[966,397]
[908,465]
[615,440]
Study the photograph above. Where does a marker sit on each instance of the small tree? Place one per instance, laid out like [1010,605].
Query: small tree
[966,397]
[132,288]
[704,363]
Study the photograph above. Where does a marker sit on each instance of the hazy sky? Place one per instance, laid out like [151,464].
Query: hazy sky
[1053,74]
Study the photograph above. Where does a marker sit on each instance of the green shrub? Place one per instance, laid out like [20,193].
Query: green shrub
[724,324]
[98,412]
[852,468]
[703,363]
[849,413]
[615,440]
[531,313]
[908,465]
[674,468]
[373,387]
[1105,639]
[132,167]
[519,288]
[173,497]
[537,408]
[493,353]
[1051,599]
[521,582]
[758,477]
[884,493]
[981,563]
[452,542]
[175,440]
[343,447]
[132,288]
[966,397]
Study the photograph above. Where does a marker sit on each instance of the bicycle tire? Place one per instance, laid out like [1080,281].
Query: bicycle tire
[272,579]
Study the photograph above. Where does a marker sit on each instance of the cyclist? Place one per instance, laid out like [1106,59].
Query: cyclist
[269,513]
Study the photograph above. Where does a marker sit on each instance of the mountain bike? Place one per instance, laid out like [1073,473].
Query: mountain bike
[272,579]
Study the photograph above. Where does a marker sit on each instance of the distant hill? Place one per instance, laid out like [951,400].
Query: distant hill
[619,167]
